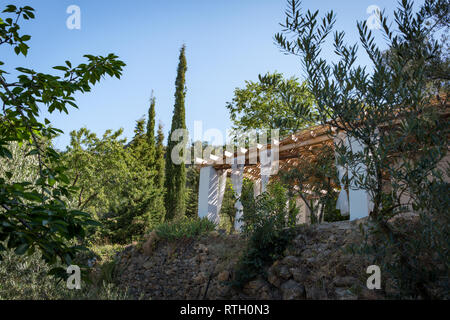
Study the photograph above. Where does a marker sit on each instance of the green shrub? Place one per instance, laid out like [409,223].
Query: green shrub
[228,211]
[184,228]
[415,255]
[268,223]
[25,277]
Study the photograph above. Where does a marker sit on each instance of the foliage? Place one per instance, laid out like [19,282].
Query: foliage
[151,141]
[416,258]
[159,158]
[115,183]
[175,179]
[392,112]
[192,184]
[35,215]
[273,102]
[184,228]
[24,277]
[96,167]
[228,211]
[313,178]
[268,223]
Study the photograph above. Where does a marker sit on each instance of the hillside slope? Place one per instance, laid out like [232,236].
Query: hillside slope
[316,266]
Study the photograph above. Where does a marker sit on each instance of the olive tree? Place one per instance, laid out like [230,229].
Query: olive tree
[391,112]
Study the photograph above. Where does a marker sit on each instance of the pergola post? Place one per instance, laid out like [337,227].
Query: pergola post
[257,187]
[342,202]
[266,168]
[359,199]
[209,200]
[237,175]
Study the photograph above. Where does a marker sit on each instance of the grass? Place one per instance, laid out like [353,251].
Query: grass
[185,228]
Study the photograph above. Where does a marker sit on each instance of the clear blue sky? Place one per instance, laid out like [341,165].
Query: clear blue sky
[228,42]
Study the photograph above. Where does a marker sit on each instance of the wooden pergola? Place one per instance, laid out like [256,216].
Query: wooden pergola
[289,148]
[303,144]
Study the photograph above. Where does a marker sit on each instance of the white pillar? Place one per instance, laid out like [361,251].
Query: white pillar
[222,185]
[303,214]
[266,167]
[256,187]
[359,199]
[237,175]
[342,201]
[208,194]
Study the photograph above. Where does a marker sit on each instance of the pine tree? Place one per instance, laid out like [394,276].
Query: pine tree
[175,181]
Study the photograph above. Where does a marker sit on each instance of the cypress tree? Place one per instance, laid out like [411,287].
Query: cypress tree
[151,132]
[175,181]
[159,157]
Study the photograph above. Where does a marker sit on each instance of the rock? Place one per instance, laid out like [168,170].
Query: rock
[346,281]
[278,270]
[292,290]
[149,244]
[299,274]
[344,294]
[314,293]
[201,258]
[324,226]
[200,278]
[274,280]
[202,248]
[258,288]
[291,261]
[284,273]
[368,294]
[223,276]
[311,260]
[147,274]
[343,225]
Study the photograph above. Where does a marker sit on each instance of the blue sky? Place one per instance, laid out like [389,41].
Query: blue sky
[227,42]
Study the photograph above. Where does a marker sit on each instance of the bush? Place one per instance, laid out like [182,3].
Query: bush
[268,223]
[26,278]
[184,228]
[415,254]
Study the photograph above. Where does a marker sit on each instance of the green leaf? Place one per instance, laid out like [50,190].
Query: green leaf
[22,248]
[5,153]
[92,223]
[10,8]
[32,152]
[58,272]
[62,68]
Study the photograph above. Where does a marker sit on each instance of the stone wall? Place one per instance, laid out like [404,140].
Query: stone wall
[315,266]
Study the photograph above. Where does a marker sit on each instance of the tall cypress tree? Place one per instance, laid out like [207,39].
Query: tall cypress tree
[151,131]
[175,181]
[159,157]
